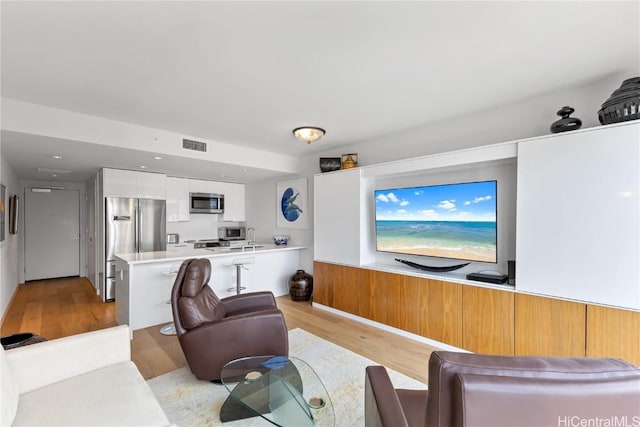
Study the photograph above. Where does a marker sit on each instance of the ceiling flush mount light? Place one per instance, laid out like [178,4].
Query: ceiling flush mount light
[308,134]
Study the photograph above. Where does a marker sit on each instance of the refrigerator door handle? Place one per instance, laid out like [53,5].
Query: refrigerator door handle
[136,230]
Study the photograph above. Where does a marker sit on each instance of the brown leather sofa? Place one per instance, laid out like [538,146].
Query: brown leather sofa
[474,390]
[214,331]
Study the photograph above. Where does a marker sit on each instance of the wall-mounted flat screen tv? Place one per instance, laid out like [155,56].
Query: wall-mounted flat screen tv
[457,221]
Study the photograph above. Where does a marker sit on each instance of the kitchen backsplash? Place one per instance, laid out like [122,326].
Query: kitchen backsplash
[200,226]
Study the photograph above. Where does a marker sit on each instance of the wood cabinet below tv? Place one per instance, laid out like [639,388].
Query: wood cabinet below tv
[477,318]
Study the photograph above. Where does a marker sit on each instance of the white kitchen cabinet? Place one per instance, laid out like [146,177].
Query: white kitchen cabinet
[234,197]
[199,186]
[342,224]
[234,201]
[177,199]
[578,215]
[119,183]
[127,183]
[151,185]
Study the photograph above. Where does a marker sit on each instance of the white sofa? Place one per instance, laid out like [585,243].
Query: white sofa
[81,380]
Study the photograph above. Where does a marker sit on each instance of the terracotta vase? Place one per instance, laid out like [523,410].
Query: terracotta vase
[301,286]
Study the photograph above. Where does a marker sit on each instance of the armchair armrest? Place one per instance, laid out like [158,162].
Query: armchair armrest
[242,302]
[35,366]
[382,407]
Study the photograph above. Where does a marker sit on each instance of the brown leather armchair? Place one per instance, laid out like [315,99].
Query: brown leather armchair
[474,390]
[214,331]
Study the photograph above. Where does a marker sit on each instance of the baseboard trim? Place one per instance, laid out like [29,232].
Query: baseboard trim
[412,336]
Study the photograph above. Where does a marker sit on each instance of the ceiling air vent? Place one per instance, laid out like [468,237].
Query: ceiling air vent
[189,144]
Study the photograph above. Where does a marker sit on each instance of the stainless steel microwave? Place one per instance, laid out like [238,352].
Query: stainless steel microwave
[206,203]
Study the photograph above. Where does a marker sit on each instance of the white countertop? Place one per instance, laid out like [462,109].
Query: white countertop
[177,253]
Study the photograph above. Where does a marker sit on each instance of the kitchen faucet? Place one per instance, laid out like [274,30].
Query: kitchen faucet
[251,234]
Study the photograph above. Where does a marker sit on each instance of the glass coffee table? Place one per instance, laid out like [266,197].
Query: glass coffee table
[285,391]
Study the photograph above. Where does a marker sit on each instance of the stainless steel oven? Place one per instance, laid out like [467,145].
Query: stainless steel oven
[232,233]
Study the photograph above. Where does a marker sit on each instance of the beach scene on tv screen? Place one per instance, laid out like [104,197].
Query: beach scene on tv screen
[449,221]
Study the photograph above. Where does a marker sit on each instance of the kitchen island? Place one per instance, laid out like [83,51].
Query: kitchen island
[144,280]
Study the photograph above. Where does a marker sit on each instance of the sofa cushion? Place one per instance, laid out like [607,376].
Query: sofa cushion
[114,395]
[8,392]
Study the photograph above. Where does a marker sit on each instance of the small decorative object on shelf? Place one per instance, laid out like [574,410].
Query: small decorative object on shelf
[349,160]
[301,286]
[566,123]
[329,164]
[281,239]
[623,104]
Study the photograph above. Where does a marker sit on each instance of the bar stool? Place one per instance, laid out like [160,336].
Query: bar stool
[169,329]
[240,263]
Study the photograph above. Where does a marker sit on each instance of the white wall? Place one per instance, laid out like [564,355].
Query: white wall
[36,119]
[529,118]
[261,214]
[9,248]
[199,226]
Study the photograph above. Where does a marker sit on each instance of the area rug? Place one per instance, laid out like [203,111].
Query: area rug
[189,402]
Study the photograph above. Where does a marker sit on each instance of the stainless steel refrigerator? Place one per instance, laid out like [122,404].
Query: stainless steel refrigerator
[131,225]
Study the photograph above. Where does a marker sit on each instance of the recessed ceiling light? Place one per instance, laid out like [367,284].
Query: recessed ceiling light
[245,170]
[54,175]
[157,157]
[55,156]
[143,167]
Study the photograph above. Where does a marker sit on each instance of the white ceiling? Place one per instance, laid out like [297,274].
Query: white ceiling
[247,73]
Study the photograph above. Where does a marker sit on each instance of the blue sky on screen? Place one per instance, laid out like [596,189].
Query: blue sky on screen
[475,201]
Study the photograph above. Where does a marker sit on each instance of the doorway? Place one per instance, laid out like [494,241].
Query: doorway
[51,233]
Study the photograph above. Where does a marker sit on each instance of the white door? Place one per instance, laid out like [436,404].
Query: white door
[92,255]
[52,233]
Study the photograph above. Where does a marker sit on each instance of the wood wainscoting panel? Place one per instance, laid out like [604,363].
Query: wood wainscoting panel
[441,311]
[381,284]
[488,320]
[549,327]
[345,289]
[324,280]
[401,302]
[363,278]
[613,332]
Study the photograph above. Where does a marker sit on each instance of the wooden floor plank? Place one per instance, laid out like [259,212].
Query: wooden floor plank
[68,306]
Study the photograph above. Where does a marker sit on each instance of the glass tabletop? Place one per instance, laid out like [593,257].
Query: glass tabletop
[285,391]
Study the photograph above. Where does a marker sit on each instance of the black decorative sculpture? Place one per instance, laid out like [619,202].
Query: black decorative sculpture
[566,123]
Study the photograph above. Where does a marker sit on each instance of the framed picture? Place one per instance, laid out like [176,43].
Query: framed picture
[3,191]
[291,204]
[13,214]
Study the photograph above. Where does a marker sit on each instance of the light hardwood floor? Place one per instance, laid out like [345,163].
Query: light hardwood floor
[60,307]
